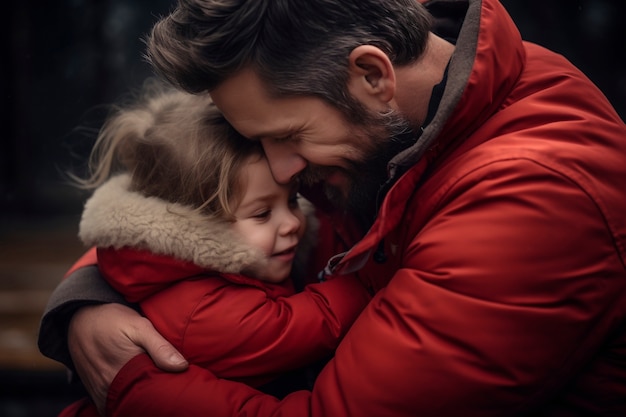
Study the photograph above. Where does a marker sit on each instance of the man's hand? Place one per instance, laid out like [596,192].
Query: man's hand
[104,337]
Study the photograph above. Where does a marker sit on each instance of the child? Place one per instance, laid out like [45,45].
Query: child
[190,224]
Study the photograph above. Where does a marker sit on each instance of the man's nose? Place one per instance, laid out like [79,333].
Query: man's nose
[284,162]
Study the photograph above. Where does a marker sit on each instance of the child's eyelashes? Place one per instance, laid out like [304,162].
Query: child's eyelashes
[263,215]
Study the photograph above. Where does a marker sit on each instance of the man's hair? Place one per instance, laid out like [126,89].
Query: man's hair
[297,47]
[176,146]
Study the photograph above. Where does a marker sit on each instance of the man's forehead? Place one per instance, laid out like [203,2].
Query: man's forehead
[257,126]
[257,119]
[243,102]
[242,88]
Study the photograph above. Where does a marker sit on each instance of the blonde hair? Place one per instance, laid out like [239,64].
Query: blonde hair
[176,146]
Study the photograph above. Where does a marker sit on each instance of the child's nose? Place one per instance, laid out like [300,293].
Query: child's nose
[291,223]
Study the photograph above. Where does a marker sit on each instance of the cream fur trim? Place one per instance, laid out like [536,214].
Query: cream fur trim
[117,217]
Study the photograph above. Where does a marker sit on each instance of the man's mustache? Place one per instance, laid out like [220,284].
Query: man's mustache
[314,174]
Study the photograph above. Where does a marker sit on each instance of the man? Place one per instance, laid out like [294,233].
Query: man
[486,175]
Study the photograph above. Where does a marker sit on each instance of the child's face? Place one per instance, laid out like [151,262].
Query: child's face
[270,219]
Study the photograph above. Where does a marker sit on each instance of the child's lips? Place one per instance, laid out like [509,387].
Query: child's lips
[286,253]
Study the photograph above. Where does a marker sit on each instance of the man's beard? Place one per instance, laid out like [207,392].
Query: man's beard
[383,137]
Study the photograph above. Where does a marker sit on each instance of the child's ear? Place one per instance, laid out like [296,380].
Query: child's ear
[372,78]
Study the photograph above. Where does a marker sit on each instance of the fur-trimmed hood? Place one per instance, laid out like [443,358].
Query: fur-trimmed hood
[117,217]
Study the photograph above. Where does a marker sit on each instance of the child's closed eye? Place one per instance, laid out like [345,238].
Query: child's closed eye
[263,215]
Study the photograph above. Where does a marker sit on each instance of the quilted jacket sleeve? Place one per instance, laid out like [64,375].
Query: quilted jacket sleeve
[237,331]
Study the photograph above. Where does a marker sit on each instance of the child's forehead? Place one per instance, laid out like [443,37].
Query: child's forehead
[259,183]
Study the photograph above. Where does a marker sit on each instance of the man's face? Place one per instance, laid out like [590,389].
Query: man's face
[306,138]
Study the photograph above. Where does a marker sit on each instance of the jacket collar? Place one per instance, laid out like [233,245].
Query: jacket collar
[487,62]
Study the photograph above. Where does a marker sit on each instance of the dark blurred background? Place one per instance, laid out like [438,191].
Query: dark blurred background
[64,61]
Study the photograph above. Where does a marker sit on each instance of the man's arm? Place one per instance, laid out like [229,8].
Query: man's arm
[81,288]
[102,338]
[88,327]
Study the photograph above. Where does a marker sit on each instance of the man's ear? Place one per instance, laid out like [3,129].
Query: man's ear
[371,75]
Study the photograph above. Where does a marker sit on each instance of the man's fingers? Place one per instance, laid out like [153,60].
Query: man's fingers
[164,355]
[169,359]
[103,338]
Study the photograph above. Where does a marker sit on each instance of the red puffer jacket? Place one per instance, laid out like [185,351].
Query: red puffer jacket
[503,291]
[182,269]
[238,327]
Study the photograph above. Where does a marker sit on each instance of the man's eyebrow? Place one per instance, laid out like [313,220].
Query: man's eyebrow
[269,134]
[274,132]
